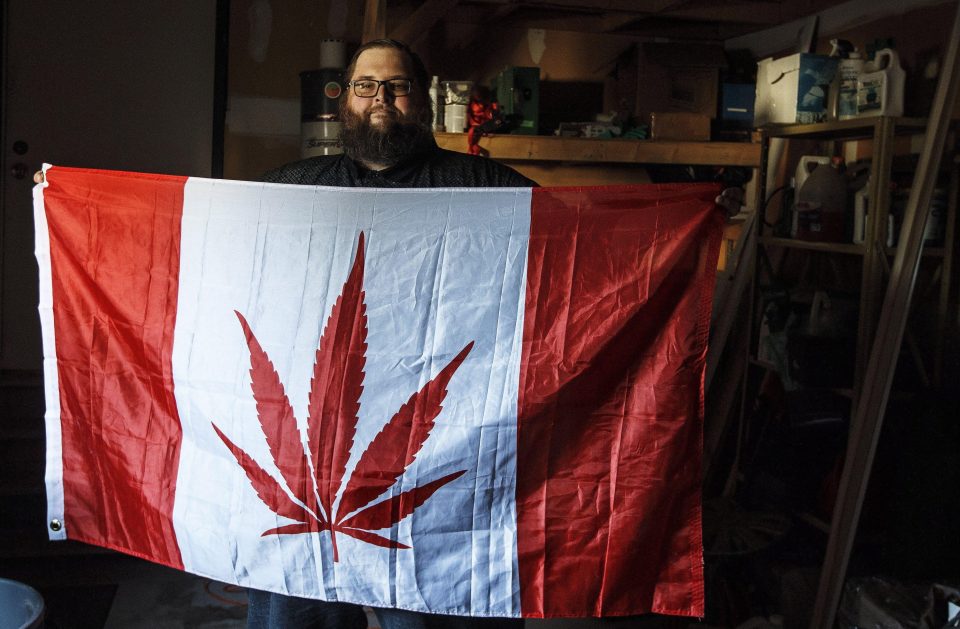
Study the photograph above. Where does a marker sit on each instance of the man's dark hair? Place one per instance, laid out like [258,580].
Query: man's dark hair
[421,78]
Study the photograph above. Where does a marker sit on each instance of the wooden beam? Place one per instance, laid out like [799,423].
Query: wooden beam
[869,411]
[374,20]
[740,13]
[552,148]
[628,6]
[615,21]
[567,22]
[675,29]
[596,17]
[422,20]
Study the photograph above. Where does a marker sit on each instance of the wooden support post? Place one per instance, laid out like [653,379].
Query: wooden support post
[868,414]
[727,306]
[422,20]
[729,292]
[374,20]
[946,275]
[872,279]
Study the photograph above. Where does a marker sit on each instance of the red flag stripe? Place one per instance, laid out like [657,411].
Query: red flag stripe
[590,538]
[120,427]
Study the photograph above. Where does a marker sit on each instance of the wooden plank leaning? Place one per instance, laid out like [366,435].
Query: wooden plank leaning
[868,414]
[731,284]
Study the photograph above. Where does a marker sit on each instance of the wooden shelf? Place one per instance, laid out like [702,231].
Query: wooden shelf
[624,151]
[756,362]
[927,252]
[843,129]
[827,247]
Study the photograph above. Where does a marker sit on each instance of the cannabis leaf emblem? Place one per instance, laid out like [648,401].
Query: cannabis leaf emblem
[313,472]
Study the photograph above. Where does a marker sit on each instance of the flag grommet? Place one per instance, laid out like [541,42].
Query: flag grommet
[55,525]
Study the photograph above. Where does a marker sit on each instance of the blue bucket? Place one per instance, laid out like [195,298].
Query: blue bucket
[21,606]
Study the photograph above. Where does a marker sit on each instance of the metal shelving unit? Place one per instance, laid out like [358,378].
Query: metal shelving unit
[874,274]
[874,252]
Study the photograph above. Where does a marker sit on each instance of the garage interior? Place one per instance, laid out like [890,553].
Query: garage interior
[831,487]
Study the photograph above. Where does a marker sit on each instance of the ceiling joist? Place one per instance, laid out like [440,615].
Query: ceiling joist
[422,20]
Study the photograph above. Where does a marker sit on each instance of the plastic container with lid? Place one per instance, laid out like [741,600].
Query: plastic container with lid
[880,85]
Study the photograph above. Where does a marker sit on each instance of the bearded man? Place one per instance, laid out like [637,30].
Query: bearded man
[387,143]
[386,137]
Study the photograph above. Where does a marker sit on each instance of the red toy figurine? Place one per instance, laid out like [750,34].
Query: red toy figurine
[483,116]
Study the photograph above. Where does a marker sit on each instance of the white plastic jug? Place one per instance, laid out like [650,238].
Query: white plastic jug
[804,167]
[880,86]
[821,203]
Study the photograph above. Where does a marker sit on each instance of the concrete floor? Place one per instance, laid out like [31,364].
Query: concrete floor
[157,597]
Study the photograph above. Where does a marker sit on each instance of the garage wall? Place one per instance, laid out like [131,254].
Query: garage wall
[110,84]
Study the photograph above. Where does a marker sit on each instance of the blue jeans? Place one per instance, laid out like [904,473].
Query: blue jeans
[403,619]
[276,611]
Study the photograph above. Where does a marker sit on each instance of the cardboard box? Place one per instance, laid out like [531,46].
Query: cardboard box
[793,89]
[681,78]
[671,125]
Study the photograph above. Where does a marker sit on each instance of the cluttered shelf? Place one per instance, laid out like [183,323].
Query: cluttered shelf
[839,247]
[829,247]
[624,151]
[843,129]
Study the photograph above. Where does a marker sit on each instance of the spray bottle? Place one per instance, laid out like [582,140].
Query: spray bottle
[849,69]
[843,96]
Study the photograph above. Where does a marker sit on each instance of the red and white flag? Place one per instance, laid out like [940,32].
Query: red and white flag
[468,401]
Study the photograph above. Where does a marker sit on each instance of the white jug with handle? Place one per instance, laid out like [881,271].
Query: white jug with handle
[805,166]
[880,86]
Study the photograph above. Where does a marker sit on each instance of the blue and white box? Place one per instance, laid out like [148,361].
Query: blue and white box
[793,89]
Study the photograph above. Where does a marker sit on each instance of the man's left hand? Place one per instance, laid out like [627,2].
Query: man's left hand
[731,200]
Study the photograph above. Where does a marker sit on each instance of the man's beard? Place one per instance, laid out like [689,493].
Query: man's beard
[388,144]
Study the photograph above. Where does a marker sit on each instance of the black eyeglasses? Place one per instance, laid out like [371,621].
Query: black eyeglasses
[368,88]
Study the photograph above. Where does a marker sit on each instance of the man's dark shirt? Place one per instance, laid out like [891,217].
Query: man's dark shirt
[433,168]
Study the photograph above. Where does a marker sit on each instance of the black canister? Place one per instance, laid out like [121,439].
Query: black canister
[320,92]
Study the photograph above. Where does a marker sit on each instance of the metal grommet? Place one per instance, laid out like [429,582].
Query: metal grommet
[55,525]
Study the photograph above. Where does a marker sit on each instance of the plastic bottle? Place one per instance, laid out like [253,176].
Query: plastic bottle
[861,213]
[804,168]
[880,86]
[843,89]
[821,204]
[848,71]
[436,101]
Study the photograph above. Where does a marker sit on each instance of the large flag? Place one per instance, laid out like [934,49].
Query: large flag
[481,402]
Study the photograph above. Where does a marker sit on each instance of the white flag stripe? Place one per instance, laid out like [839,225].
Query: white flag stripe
[280,256]
[53,475]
